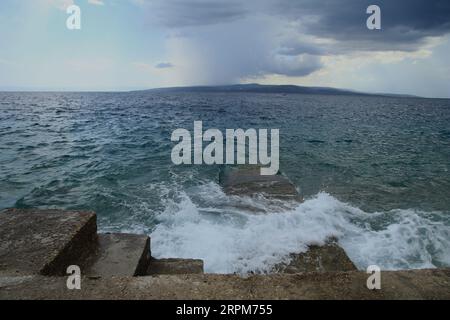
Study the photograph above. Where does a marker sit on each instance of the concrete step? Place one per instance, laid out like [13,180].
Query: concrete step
[119,254]
[246,180]
[175,266]
[44,241]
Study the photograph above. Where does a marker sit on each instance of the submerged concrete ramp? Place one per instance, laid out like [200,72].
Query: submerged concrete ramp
[246,180]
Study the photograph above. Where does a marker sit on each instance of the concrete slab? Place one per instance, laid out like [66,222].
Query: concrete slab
[44,241]
[246,180]
[413,284]
[119,254]
[175,266]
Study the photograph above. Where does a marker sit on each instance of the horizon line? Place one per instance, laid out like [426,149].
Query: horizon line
[137,89]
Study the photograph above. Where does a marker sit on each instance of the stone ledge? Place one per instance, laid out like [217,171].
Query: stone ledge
[413,284]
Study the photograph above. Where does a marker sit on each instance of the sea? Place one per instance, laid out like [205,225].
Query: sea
[373,170]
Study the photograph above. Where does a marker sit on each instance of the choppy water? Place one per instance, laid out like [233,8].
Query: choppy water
[374,171]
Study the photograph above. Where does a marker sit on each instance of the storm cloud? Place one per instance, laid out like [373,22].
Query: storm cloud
[405,23]
[179,13]
[232,40]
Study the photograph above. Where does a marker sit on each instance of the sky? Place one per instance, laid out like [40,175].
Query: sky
[141,44]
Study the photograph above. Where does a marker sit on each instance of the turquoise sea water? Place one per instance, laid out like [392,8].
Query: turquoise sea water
[374,172]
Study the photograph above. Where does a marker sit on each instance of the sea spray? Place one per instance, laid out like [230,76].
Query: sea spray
[243,241]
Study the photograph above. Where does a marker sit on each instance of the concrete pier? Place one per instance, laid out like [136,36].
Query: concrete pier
[36,247]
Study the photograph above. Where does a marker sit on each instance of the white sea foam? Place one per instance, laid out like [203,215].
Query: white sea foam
[241,235]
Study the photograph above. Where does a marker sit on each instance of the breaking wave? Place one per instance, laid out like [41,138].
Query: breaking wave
[241,235]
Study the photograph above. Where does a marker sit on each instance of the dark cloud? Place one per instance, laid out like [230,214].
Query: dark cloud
[185,13]
[234,39]
[405,23]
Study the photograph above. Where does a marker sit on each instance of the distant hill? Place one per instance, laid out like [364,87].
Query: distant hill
[279,89]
